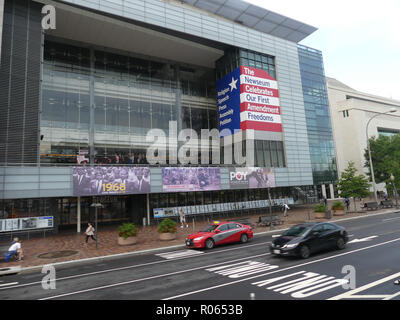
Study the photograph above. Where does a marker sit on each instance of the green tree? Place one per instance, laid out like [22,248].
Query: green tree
[385,154]
[351,185]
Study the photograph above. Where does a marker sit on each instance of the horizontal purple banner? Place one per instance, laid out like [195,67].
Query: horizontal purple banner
[191,179]
[252,178]
[91,181]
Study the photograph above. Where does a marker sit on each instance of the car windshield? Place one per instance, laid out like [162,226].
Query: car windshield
[297,231]
[210,228]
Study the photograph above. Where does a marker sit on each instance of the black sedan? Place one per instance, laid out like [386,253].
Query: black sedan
[306,238]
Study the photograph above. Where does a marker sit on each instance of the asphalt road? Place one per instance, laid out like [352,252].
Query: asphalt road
[364,270]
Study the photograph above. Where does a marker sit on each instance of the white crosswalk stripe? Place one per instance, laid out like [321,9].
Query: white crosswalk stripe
[179,254]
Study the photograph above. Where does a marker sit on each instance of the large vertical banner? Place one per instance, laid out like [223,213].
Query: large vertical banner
[248,98]
[259,101]
[228,98]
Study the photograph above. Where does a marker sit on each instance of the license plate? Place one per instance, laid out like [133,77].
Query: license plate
[277,251]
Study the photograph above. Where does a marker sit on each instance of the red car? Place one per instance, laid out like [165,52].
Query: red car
[220,233]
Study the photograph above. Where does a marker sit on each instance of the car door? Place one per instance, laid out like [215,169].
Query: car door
[235,231]
[221,234]
[331,233]
[316,238]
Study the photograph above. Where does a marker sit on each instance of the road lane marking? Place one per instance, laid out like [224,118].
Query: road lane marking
[363,239]
[8,284]
[280,270]
[95,273]
[148,278]
[179,254]
[384,220]
[353,293]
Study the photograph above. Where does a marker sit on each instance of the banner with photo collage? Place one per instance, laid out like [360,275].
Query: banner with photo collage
[28,223]
[191,179]
[251,178]
[96,181]
[218,207]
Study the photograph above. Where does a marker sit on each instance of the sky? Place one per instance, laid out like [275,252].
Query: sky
[359,39]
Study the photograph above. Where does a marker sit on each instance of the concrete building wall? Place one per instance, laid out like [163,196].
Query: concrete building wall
[350,112]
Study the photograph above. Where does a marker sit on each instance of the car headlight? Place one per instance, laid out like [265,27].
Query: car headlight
[290,246]
[198,239]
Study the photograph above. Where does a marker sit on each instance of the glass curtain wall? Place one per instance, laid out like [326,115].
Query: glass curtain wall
[319,128]
[130,95]
[65,103]
[235,57]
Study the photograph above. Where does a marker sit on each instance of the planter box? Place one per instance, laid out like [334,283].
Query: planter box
[339,212]
[127,242]
[320,215]
[167,236]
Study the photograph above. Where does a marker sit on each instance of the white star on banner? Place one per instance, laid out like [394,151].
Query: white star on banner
[233,84]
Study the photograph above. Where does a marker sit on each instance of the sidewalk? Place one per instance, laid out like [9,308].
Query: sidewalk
[49,250]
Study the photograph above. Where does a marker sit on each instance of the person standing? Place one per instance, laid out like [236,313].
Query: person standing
[90,232]
[182,218]
[285,208]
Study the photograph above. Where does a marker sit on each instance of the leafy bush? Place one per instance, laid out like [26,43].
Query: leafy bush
[320,208]
[167,226]
[337,205]
[128,230]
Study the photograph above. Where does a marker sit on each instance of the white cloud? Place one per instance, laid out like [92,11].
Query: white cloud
[360,39]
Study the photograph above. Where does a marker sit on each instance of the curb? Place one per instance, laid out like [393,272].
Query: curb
[127,254]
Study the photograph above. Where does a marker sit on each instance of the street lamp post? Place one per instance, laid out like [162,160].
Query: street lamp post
[369,151]
[394,187]
[270,205]
[96,205]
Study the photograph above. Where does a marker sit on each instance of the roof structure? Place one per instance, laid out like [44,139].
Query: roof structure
[256,18]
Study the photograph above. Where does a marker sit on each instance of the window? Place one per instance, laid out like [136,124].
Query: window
[233,225]
[224,227]
[319,228]
[329,227]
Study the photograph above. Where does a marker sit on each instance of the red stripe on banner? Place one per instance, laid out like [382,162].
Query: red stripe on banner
[259,73]
[255,107]
[249,88]
[261,126]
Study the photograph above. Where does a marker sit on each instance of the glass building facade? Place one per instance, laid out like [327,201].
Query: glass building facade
[319,128]
[91,97]
[98,105]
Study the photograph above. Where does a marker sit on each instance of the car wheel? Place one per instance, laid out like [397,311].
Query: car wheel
[304,252]
[340,244]
[244,238]
[209,244]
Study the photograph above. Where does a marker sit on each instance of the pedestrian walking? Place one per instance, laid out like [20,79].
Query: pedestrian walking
[90,232]
[285,208]
[347,202]
[182,218]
